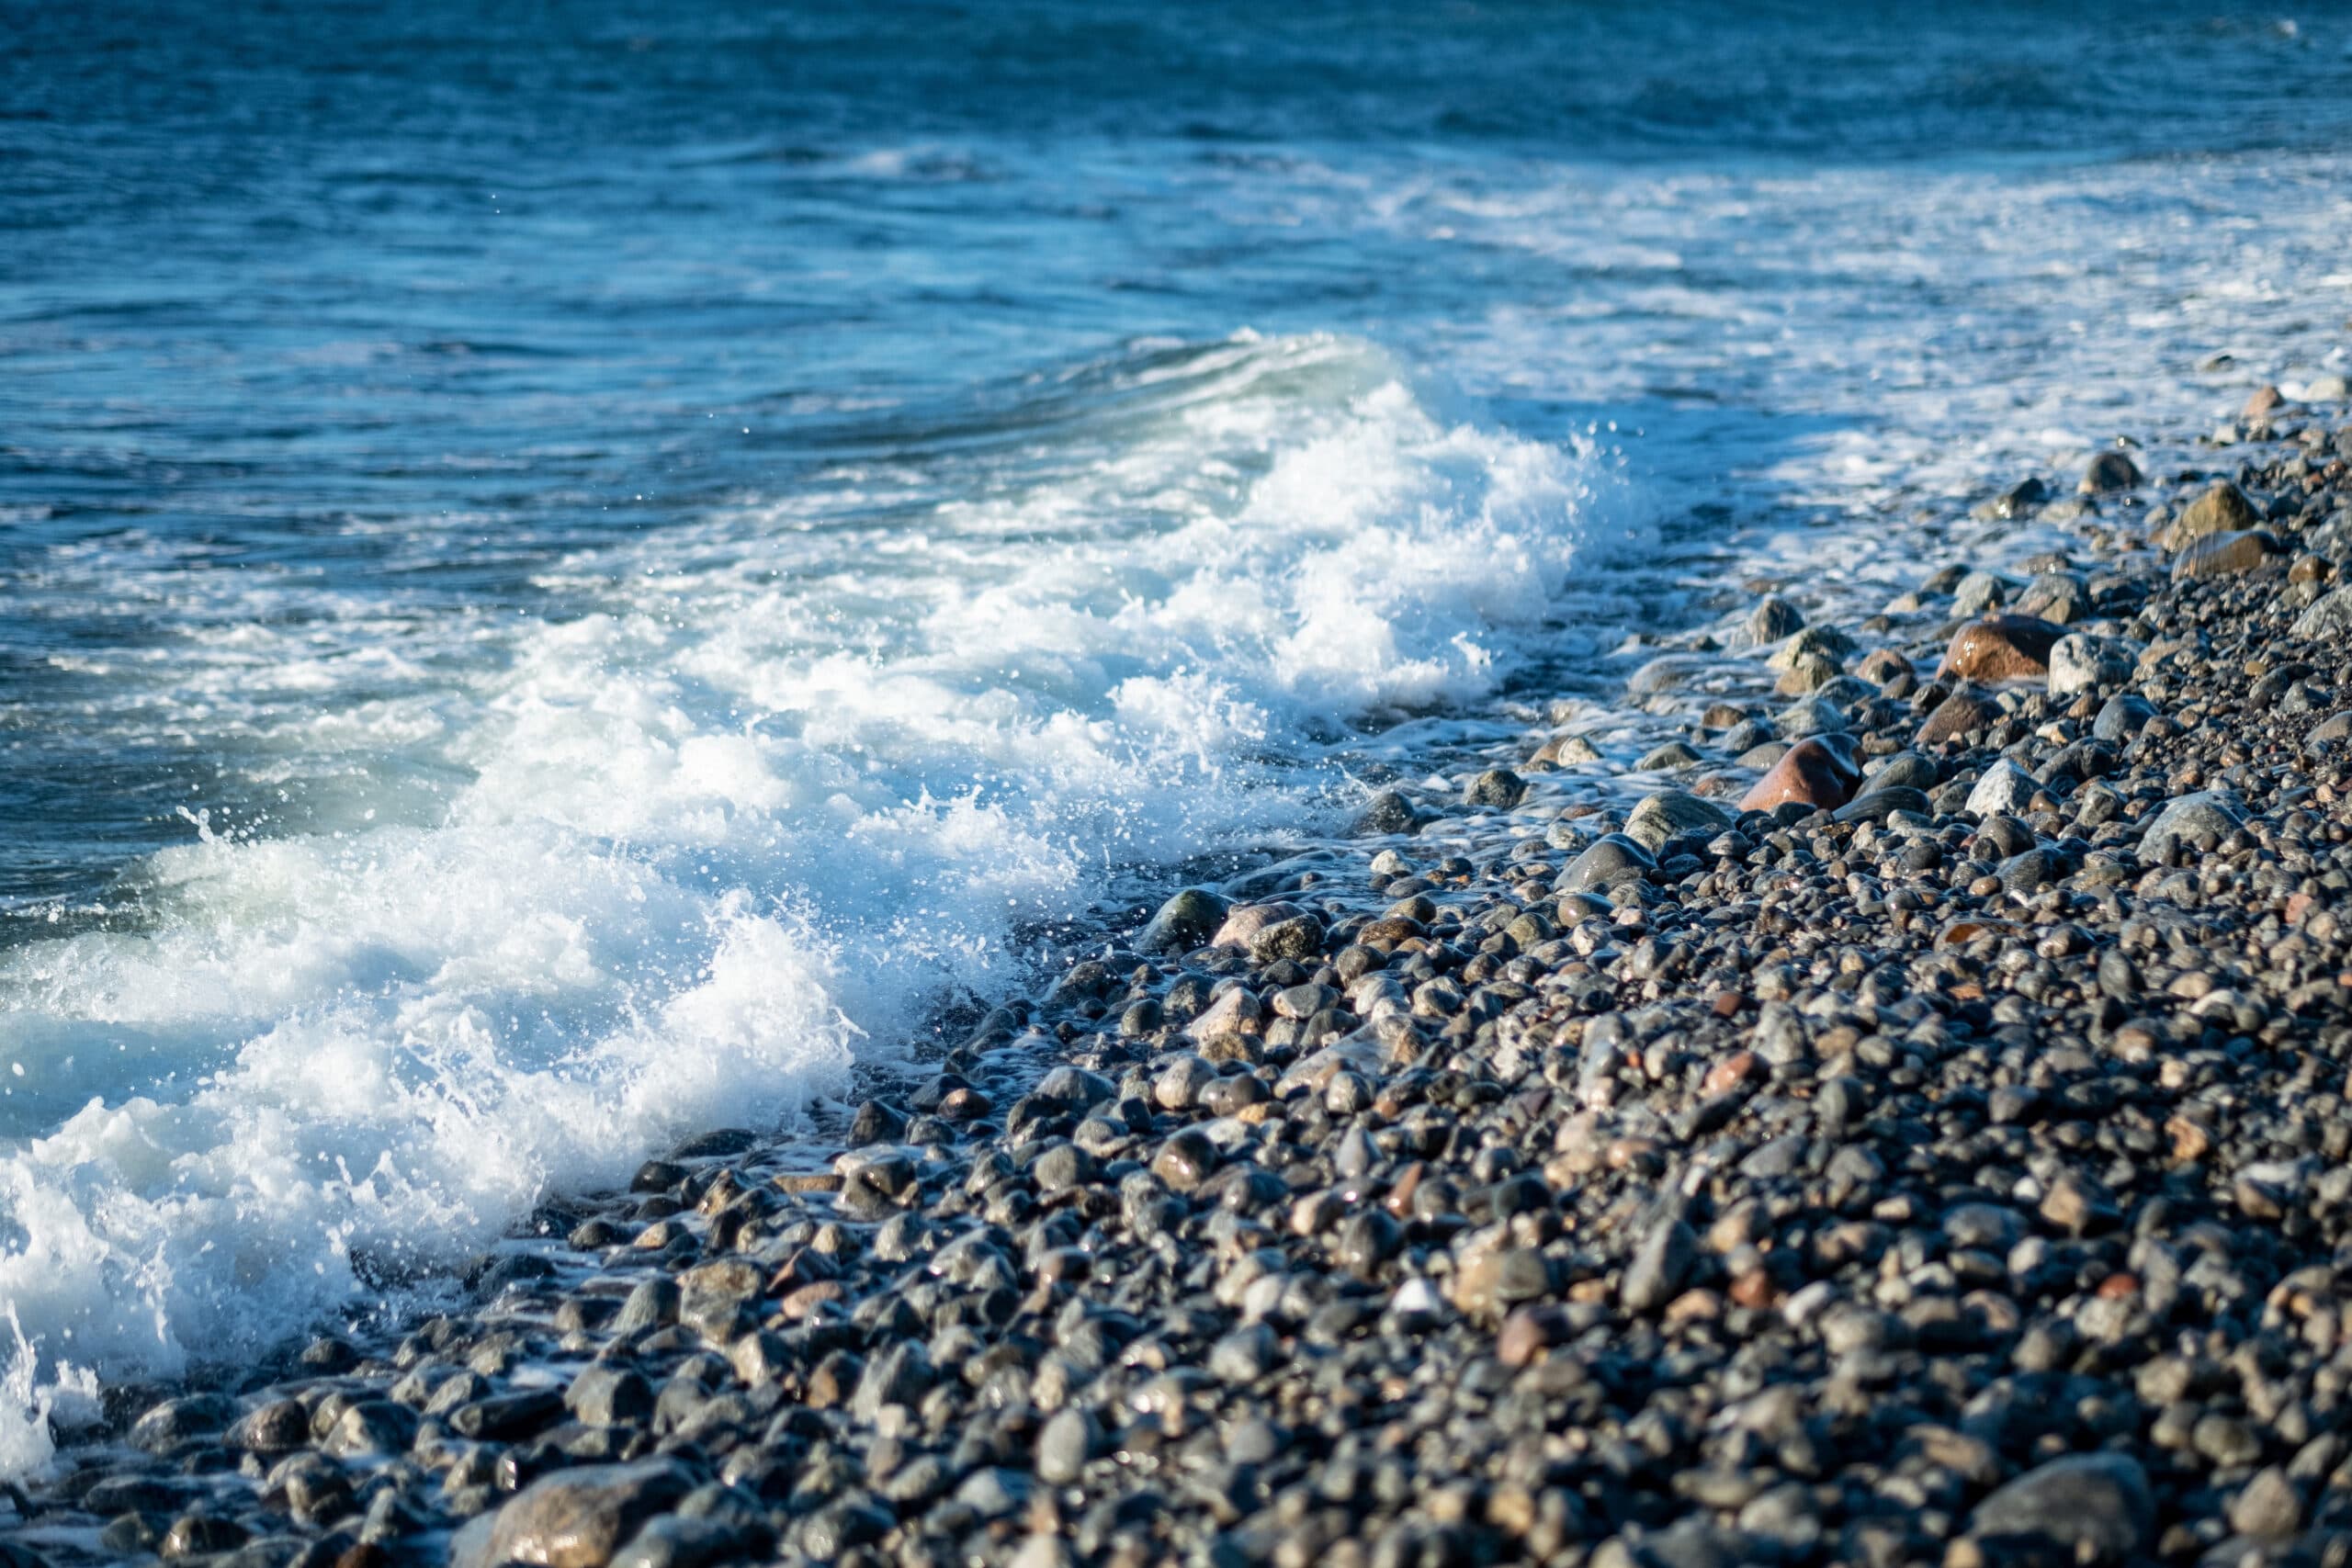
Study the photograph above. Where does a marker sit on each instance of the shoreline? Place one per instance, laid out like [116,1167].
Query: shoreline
[1947,1173]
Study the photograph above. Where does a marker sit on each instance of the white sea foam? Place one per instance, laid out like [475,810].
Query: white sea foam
[755,795]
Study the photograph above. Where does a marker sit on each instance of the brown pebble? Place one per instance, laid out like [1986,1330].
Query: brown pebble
[1957,714]
[2189,1139]
[1694,1306]
[2232,554]
[2001,648]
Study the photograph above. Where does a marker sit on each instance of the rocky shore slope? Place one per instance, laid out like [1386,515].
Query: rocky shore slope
[1897,1117]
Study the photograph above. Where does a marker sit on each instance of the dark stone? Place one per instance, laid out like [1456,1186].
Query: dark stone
[177,1421]
[1609,859]
[1185,921]
[2098,1507]
[1497,787]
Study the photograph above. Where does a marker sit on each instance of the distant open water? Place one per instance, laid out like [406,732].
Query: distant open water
[566,573]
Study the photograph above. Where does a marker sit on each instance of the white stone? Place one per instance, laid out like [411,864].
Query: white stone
[2004,789]
[2080,661]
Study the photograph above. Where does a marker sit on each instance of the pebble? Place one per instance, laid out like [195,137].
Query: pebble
[1819,771]
[1673,813]
[2109,471]
[1612,858]
[1773,619]
[2329,616]
[2080,661]
[2001,648]
[1960,714]
[2003,790]
[2220,509]
[2231,553]
[2095,1507]
[1497,787]
[1188,920]
[574,1518]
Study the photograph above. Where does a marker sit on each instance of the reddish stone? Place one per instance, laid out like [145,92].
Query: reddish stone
[1400,1196]
[1731,1072]
[1819,773]
[2002,648]
[2265,402]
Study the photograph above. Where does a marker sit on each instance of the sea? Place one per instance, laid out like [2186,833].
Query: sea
[572,574]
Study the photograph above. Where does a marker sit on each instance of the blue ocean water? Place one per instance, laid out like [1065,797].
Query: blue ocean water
[568,572]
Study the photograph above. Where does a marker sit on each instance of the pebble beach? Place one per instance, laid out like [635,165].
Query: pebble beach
[1872,1092]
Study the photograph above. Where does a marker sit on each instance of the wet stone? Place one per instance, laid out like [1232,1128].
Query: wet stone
[1979,592]
[1773,619]
[1820,773]
[1609,859]
[371,1426]
[183,1420]
[1497,787]
[1183,922]
[574,1518]
[1672,814]
[1185,1160]
[1959,715]
[276,1428]
[197,1535]
[2109,471]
